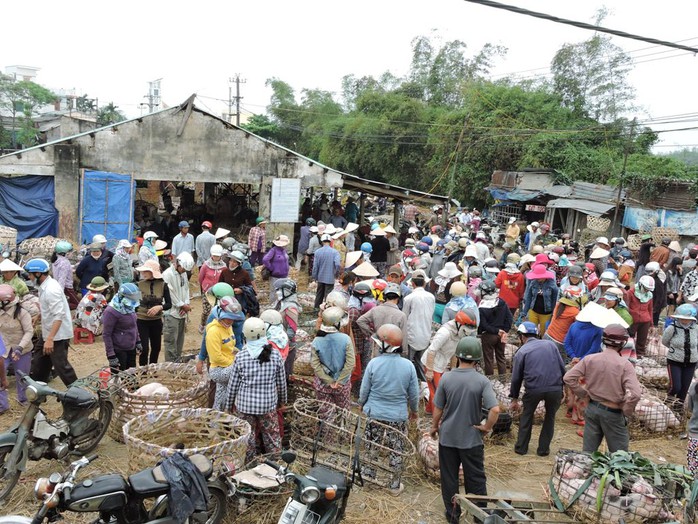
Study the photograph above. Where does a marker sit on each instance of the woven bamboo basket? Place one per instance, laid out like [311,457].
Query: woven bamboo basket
[634,242]
[599,224]
[658,233]
[187,390]
[334,436]
[301,366]
[8,236]
[217,435]
[656,414]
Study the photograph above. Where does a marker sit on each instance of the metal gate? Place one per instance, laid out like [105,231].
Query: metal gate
[106,206]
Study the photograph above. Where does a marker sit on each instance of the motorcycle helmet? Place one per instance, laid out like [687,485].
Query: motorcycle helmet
[469,349]
[459,289]
[332,317]
[221,289]
[475,272]
[615,336]
[527,328]
[237,256]
[271,317]
[366,247]
[651,268]
[361,289]
[229,304]
[186,261]
[63,246]
[463,318]
[130,291]
[228,243]
[99,239]
[37,265]
[7,293]
[216,250]
[254,328]
[683,312]
[427,240]
[336,299]
[149,234]
[286,287]
[487,287]
[310,222]
[647,282]
[423,247]
[388,338]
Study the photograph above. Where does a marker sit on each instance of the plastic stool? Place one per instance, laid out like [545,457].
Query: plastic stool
[83,336]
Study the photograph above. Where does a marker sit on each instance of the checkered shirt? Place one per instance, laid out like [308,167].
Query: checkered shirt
[255,387]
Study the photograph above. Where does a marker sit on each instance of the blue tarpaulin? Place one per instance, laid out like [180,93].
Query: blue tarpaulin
[685,222]
[27,203]
[107,206]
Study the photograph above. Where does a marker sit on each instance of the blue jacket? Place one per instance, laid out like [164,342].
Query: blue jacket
[389,384]
[549,294]
[537,364]
[582,339]
[88,268]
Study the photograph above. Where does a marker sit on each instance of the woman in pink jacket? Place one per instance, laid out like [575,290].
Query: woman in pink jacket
[209,273]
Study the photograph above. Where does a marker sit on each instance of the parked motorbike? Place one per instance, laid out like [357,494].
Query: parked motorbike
[85,419]
[118,500]
[320,497]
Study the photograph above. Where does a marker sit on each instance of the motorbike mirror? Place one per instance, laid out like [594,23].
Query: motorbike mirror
[288,457]
[22,251]
[5,254]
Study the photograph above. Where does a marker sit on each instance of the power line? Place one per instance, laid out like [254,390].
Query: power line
[581,25]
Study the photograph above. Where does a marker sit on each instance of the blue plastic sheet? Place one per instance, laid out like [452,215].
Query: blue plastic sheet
[107,206]
[27,203]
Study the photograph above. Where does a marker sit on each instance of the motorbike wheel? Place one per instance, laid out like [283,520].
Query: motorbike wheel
[7,484]
[103,417]
[217,504]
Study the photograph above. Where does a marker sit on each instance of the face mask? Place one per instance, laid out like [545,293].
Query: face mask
[96,256]
[133,304]
[279,294]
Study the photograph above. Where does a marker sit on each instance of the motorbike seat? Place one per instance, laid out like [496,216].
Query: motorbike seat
[79,398]
[326,477]
[151,482]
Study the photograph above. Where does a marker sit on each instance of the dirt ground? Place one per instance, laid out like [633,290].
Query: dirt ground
[508,474]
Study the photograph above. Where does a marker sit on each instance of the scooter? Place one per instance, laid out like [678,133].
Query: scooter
[118,500]
[85,419]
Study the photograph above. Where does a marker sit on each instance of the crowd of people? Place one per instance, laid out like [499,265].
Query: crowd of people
[433,303]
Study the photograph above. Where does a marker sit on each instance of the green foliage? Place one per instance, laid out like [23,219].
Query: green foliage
[445,128]
[261,125]
[109,114]
[22,100]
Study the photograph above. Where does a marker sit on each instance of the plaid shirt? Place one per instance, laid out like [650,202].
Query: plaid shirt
[410,212]
[253,239]
[255,387]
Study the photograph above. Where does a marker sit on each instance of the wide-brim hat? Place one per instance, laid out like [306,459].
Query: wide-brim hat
[599,252]
[390,229]
[221,232]
[527,259]
[675,246]
[600,316]
[412,230]
[280,241]
[97,284]
[410,242]
[339,234]
[160,245]
[365,270]
[450,270]
[539,271]
[8,265]
[352,258]
[543,258]
[151,265]
[330,229]
[351,227]
[378,232]
[683,317]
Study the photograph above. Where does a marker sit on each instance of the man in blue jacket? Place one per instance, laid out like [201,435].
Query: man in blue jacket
[539,366]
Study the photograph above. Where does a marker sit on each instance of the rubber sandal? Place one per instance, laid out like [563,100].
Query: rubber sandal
[580,432]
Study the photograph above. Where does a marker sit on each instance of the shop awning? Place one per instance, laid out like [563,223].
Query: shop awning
[588,207]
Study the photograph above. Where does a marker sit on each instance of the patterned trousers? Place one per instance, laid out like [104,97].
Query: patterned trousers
[389,439]
[268,426]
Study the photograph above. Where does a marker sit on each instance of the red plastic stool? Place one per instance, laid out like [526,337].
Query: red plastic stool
[83,336]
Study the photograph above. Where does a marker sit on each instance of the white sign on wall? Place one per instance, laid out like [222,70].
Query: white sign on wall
[285,199]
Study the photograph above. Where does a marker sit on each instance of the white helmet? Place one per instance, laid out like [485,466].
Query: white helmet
[99,239]
[216,250]
[149,234]
[271,317]
[651,267]
[237,256]
[336,299]
[254,328]
[647,282]
[186,261]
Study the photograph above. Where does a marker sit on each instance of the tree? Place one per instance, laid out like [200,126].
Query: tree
[109,114]
[261,125]
[592,77]
[85,104]
[22,100]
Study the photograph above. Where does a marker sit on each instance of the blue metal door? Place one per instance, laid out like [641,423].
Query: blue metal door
[106,206]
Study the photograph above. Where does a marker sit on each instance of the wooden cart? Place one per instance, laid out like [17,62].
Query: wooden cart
[498,510]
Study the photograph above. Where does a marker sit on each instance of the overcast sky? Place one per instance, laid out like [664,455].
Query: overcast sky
[111,50]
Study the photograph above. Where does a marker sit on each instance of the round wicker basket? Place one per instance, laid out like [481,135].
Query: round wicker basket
[217,435]
[187,390]
[599,224]
[301,366]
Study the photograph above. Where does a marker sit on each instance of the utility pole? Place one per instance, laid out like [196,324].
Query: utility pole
[616,228]
[452,179]
[153,95]
[237,80]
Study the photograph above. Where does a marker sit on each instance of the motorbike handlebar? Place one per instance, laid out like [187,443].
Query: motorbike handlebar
[92,458]
[272,464]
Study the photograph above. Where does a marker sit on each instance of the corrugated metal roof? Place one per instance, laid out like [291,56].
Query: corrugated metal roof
[588,207]
[596,192]
[504,179]
[558,191]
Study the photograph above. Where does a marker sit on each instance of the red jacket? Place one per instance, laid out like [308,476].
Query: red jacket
[639,311]
[511,288]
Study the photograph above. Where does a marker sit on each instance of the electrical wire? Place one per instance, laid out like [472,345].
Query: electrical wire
[581,25]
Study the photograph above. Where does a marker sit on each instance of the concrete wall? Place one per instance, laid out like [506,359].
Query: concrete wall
[206,150]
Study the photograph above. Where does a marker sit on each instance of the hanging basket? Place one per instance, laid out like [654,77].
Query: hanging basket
[217,435]
[599,224]
[187,389]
